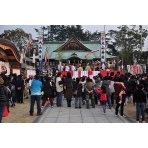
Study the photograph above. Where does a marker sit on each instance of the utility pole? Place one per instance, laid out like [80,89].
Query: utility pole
[140,28]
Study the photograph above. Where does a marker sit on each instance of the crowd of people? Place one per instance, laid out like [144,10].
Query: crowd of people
[90,66]
[112,90]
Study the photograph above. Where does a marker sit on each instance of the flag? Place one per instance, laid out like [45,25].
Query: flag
[46,59]
[119,62]
[28,45]
[33,59]
[22,56]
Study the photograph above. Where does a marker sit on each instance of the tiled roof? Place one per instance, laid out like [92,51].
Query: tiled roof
[56,49]
[12,50]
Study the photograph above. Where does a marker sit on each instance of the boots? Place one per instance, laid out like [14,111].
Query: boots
[68,102]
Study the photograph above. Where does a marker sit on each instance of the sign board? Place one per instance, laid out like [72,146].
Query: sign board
[31,73]
[17,71]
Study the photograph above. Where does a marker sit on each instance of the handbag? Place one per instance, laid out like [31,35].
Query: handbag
[5,112]
[60,82]
[75,92]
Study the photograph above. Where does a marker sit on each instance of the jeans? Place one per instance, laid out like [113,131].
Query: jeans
[103,104]
[109,102]
[59,98]
[36,98]
[120,105]
[1,112]
[78,101]
[140,111]
[19,96]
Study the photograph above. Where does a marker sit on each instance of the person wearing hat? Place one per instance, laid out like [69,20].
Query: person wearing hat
[3,99]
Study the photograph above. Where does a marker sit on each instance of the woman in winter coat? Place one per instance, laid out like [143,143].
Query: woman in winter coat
[49,90]
[78,96]
[68,87]
[89,89]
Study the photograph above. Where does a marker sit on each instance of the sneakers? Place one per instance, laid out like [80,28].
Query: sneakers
[123,116]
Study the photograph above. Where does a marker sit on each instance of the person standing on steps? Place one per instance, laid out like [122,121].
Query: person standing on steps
[68,87]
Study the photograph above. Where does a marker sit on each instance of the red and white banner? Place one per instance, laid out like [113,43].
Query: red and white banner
[78,74]
[135,69]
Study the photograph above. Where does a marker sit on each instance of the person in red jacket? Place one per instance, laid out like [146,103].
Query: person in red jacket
[103,97]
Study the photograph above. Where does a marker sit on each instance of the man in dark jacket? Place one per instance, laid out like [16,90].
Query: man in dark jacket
[19,88]
[140,99]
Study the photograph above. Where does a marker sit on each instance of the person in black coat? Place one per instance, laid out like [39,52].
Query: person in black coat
[68,86]
[49,91]
[19,89]
[139,98]
[78,93]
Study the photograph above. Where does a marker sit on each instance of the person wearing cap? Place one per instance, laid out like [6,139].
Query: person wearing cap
[3,99]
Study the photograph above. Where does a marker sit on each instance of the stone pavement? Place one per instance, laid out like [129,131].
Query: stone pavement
[83,115]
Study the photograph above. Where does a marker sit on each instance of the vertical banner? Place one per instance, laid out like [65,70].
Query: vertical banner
[33,59]
[40,46]
[40,66]
[103,50]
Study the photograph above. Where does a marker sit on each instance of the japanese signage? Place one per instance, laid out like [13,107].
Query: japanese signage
[103,50]
[40,46]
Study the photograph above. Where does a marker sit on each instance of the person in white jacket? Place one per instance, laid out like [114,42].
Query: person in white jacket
[59,89]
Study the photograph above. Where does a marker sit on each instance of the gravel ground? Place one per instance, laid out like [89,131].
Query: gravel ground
[20,113]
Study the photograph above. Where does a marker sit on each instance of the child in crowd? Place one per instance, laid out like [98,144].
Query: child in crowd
[103,97]
[121,92]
